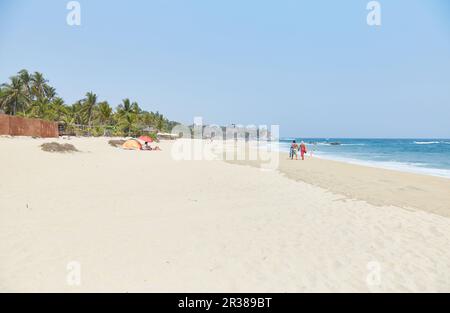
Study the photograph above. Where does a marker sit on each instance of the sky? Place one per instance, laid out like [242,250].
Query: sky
[316,68]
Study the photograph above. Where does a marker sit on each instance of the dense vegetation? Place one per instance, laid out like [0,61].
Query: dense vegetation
[30,95]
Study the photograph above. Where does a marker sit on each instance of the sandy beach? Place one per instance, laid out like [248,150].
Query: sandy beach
[142,222]
[377,186]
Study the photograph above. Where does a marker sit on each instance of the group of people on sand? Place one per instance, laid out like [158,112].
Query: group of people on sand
[149,148]
[297,148]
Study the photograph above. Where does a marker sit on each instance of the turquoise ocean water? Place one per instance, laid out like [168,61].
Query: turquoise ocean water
[425,156]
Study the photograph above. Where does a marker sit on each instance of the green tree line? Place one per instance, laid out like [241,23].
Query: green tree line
[30,95]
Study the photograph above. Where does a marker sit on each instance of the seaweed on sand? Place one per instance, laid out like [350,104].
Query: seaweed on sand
[116,143]
[59,148]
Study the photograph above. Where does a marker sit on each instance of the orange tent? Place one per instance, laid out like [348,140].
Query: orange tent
[132,144]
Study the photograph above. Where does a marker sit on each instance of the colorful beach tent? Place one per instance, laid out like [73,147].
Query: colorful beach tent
[132,144]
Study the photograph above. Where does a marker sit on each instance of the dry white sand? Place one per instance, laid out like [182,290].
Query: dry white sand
[140,221]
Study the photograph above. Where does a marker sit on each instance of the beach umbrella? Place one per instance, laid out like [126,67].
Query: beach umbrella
[146,139]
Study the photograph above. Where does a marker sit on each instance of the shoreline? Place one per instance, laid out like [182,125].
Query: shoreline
[398,167]
[409,166]
[375,185]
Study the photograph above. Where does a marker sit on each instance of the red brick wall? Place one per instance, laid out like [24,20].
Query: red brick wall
[49,129]
[19,126]
[4,124]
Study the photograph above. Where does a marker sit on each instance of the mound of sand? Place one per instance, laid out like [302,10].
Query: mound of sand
[60,148]
[116,143]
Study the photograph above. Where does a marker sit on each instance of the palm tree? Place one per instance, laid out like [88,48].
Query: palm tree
[75,110]
[88,106]
[147,119]
[124,107]
[104,113]
[2,94]
[70,116]
[38,109]
[49,92]
[136,109]
[58,109]
[127,114]
[38,83]
[12,96]
[160,121]
[69,119]
[26,80]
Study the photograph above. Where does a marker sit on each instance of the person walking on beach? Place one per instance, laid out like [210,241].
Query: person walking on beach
[293,151]
[303,150]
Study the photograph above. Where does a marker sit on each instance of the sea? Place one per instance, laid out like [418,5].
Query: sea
[423,156]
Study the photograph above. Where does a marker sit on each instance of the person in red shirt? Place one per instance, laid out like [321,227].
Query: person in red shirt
[303,150]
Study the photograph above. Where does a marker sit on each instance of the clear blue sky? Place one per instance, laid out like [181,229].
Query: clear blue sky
[314,67]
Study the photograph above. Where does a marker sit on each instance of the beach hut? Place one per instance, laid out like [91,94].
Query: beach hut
[148,130]
[132,144]
[167,136]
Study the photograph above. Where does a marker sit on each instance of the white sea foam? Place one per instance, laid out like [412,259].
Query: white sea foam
[426,142]
[288,139]
[323,144]
[353,144]
[417,168]
[337,145]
